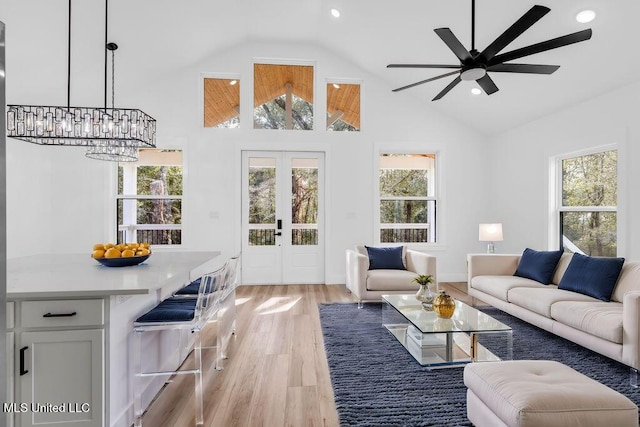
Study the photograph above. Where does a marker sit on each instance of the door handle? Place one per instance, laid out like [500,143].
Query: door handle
[279,227]
[22,370]
[278,233]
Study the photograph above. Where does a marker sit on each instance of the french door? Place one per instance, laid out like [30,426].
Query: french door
[282,217]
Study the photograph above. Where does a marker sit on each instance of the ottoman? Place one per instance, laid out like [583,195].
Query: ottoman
[541,393]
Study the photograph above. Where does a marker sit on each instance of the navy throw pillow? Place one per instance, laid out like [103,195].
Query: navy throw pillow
[385,258]
[596,277]
[538,265]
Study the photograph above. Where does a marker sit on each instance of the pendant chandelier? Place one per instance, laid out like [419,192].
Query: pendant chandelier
[112,134]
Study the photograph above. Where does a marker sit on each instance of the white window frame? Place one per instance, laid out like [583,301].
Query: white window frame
[555,239]
[436,197]
[131,229]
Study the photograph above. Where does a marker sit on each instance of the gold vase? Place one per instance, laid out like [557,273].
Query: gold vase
[444,305]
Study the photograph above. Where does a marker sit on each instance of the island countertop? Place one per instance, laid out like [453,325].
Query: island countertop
[77,275]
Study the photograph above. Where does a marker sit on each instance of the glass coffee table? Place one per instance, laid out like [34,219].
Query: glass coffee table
[443,343]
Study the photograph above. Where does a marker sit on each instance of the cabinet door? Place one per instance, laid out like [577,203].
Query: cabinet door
[61,378]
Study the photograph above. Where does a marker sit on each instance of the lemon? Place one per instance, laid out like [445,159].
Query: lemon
[98,247]
[98,253]
[144,251]
[127,253]
[112,253]
[108,246]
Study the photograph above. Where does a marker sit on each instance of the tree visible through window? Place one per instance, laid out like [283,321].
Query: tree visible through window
[407,198]
[283,96]
[588,212]
[149,200]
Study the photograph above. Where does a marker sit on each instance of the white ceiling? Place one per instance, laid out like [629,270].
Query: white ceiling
[374,33]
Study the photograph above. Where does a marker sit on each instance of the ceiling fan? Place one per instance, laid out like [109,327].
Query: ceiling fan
[476,65]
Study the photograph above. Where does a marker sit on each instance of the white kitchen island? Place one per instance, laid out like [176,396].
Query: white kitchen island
[69,322]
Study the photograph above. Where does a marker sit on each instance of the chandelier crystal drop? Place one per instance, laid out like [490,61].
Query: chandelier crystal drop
[112,151]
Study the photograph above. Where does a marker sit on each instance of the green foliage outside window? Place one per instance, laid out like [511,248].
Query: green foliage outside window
[271,114]
[590,181]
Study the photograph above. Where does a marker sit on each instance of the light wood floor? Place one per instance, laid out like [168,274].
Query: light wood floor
[276,373]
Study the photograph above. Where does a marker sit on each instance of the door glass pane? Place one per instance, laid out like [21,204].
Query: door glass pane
[304,201]
[262,201]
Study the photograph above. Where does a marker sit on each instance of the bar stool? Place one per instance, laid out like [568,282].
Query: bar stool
[178,313]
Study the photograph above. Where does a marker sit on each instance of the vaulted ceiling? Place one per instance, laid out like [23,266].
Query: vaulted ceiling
[374,33]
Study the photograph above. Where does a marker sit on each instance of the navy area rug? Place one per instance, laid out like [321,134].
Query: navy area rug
[376,382]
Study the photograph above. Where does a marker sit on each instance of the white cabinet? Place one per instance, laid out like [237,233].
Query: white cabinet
[59,363]
[60,375]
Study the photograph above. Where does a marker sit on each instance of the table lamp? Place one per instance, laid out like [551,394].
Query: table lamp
[490,233]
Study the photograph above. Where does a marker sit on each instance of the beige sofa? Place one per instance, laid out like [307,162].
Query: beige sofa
[610,328]
[370,285]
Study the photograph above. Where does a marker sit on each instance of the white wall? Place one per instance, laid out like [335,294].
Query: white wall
[520,167]
[70,196]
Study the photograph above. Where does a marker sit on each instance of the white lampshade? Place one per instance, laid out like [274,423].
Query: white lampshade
[490,232]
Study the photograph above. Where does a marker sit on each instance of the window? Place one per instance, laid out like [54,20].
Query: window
[588,205]
[283,96]
[221,103]
[149,200]
[343,107]
[408,199]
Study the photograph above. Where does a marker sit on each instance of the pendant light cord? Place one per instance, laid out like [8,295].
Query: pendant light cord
[69,60]
[473,24]
[106,40]
[113,79]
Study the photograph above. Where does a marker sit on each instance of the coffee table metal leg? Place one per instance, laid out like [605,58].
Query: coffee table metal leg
[474,346]
[449,347]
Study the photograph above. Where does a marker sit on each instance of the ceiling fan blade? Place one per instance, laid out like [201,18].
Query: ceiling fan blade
[425,81]
[448,88]
[542,46]
[520,26]
[421,66]
[523,68]
[453,43]
[487,84]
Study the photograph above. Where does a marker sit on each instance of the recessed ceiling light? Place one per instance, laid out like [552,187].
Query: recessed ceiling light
[585,16]
[336,85]
[233,82]
[335,13]
[476,91]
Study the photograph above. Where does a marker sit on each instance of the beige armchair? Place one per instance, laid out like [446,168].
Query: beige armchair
[370,285]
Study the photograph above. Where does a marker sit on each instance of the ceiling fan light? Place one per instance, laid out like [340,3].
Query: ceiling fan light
[335,13]
[585,16]
[476,91]
[473,74]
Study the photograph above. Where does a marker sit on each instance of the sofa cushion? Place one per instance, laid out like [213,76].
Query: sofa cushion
[592,276]
[387,258]
[538,265]
[565,259]
[391,280]
[539,300]
[629,280]
[602,319]
[498,286]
